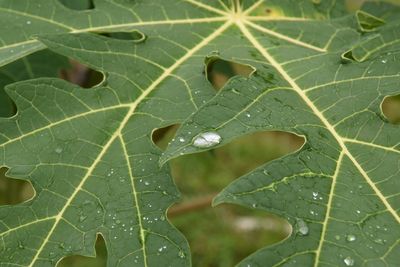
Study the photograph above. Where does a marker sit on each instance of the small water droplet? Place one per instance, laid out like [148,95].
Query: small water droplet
[337,237]
[350,238]
[379,241]
[59,150]
[248,115]
[348,261]
[181,139]
[29,22]
[384,61]
[208,139]
[181,254]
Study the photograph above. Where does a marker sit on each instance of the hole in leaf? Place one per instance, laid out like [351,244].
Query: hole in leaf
[80,261]
[237,232]
[82,75]
[347,57]
[162,136]
[367,22]
[7,106]
[14,191]
[136,36]
[78,4]
[29,67]
[391,108]
[219,71]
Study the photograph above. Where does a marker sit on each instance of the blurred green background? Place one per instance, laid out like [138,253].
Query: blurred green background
[220,236]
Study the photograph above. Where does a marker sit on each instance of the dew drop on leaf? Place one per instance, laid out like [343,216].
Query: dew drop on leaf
[379,241]
[302,227]
[351,238]
[348,261]
[208,139]
[181,254]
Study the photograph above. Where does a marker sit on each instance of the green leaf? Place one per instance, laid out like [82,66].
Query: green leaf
[23,20]
[90,156]
[340,191]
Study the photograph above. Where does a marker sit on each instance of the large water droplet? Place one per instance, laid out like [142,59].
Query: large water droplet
[348,261]
[302,227]
[208,139]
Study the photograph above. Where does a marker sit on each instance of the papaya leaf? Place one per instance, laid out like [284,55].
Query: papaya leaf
[90,157]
